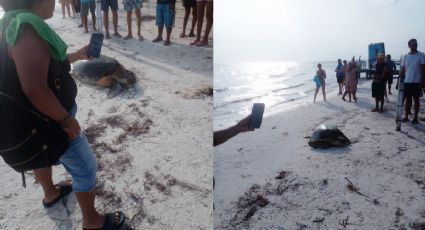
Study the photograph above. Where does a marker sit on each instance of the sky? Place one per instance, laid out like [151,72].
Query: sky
[314,30]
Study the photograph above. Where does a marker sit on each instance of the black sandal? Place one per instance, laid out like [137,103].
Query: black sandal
[64,188]
[113,221]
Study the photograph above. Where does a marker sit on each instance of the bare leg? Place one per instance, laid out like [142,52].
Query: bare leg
[106,23]
[381,110]
[416,107]
[130,33]
[194,20]
[67,8]
[63,9]
[343,96]
[209,14]
[139,23]
[159,37]
[115,22]
[315,94]
[91,218]
[71,3]
[200,7]
[324,92]
[44,177]
[93,19]
[84,19]
[167,40]
[185,19]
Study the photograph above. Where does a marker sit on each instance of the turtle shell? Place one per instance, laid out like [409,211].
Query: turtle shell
[325,136]
[90,71]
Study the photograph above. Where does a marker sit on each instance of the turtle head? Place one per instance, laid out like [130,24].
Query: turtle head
[127,78]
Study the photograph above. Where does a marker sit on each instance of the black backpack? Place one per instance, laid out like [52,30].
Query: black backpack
[28,139]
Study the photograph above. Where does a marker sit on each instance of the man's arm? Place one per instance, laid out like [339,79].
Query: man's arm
[222,136]
[80,54]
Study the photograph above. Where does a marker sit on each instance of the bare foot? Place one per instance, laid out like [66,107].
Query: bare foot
[167,43]
[79,26]
[107,36]
[182,35]
[374,110]
[191,34]
[116,34]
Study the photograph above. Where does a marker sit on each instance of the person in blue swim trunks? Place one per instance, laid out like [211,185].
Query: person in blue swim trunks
[129,6]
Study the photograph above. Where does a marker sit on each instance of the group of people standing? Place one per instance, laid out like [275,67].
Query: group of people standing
[346,75]
[165,17]
[412,75]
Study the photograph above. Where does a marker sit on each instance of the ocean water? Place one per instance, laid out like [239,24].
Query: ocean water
[280,85]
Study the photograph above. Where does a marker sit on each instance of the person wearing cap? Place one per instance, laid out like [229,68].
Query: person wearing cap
[378,83]
[413,74]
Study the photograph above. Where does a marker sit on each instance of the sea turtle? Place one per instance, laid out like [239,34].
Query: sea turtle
[325,136]
[104,71]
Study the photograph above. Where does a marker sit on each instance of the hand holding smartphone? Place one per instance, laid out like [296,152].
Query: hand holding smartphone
[95,46]
[256,115]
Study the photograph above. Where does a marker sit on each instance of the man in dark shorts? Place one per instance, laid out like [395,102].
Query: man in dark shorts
[391,69]
[378,84]
[413,74]
[339,75]
[113,4]
[189,4]
[87,5]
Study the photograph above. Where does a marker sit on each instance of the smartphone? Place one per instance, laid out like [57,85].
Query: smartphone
[95,46]
[256,115]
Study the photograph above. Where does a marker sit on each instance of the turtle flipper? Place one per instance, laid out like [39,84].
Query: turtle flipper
[114,89]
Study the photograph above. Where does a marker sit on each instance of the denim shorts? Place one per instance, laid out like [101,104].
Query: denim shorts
[164,16]
[80,162]
[106,4]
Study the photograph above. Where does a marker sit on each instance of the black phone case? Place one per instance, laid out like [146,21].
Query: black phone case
[256,115]
[95,46]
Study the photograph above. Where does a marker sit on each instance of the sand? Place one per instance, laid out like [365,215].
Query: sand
[312,192]
[153,142]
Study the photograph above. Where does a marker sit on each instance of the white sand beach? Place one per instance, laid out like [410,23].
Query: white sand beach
[153,142]
[385,166]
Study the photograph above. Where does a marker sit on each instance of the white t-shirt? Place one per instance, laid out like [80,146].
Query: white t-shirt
[413,63]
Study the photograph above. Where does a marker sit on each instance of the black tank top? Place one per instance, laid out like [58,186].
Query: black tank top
[59,80]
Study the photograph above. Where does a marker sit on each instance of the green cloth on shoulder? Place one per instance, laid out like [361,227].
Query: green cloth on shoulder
[14,20]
